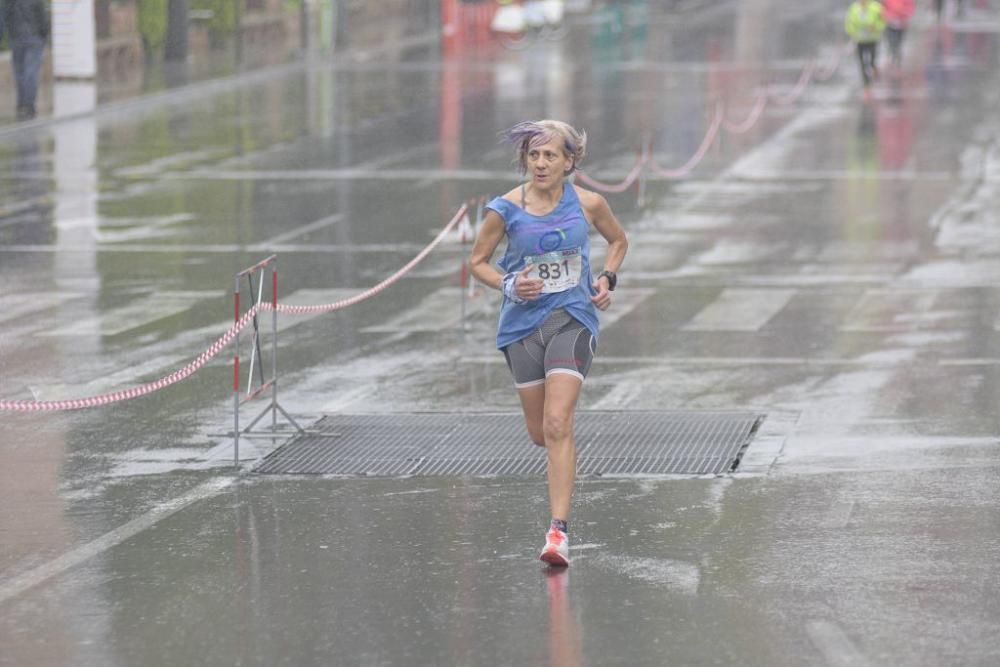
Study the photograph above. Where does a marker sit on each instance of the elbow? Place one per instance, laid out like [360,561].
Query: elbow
[476,266]
[473,267]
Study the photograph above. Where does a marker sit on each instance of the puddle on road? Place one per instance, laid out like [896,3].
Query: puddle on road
[674,575]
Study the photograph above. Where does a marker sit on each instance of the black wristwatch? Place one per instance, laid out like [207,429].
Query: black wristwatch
[612,279]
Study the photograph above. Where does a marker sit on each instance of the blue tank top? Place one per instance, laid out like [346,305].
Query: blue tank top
[564,229]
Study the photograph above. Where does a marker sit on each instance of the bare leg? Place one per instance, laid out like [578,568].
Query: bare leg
[561,393]
[533,405]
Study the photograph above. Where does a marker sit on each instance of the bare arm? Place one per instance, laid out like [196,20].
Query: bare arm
[607,224]
[599,212]
[490,234]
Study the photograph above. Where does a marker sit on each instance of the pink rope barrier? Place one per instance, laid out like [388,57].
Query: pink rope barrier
[220,343]
[751,119]
[686,168]
[838,58]
[372,291]
[824,73]
[809,72]
[799,88]
[618,187]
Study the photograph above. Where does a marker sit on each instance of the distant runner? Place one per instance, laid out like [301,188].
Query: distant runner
[548,325]
[864,25]
[897,14]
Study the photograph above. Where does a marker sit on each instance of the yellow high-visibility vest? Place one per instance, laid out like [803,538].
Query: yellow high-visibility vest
[864,24]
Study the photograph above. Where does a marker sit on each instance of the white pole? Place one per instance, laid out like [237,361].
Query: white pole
[74,49]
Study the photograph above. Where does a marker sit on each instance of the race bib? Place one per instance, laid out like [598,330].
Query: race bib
[559,270]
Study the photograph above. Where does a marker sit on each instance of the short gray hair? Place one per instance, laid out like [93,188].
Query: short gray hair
[529,134]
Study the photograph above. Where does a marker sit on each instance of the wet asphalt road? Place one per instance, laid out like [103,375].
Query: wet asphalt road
[835,267]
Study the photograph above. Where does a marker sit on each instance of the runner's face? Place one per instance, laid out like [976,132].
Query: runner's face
[548,164]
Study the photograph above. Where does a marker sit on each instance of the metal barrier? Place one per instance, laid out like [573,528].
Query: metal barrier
[256,352]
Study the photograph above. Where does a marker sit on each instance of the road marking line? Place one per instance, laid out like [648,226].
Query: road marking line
[19,584]
[982,361]
[305,229]
[339,174]
[738,309]
[817,362]
[440,310]
[225,248]
[355,173]
[879,311]
[142,312]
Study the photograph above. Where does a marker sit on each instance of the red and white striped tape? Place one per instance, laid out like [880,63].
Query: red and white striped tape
[134,392]
[221,343]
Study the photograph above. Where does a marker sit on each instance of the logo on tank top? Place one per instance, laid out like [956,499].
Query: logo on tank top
[552,234]
[551,240]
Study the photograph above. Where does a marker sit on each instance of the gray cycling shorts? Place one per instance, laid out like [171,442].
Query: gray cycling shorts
[561,345]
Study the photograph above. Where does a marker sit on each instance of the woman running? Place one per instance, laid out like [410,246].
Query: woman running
[548,324]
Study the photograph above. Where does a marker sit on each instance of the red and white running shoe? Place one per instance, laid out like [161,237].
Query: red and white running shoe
[556,551]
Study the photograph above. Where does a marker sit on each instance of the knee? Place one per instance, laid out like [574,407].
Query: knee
[557,427]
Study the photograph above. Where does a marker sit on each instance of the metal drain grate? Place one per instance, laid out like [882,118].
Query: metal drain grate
[488,444]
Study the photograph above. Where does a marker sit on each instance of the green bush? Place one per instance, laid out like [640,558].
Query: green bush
[153,22]
[223,19]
